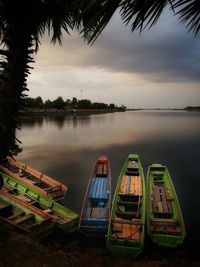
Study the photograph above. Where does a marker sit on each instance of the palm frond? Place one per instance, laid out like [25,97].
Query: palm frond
[189,12]
[142,13]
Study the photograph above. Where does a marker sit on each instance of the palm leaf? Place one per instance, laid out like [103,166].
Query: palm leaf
[189,12]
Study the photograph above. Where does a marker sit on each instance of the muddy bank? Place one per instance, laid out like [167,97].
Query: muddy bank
[18,250]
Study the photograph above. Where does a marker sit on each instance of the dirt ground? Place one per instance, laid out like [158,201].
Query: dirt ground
[19,250]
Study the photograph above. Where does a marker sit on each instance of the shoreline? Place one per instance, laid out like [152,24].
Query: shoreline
[36,112]
[69,250]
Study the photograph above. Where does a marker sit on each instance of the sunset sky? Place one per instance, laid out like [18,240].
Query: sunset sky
[159,68]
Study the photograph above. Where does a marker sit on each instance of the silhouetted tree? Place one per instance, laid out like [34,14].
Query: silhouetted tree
[84,104]
[48,104]
[59,103]
[22,24]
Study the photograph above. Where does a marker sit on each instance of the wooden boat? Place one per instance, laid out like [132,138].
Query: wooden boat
[24,217]
[126,228]
[64,218]
[165,224]
[97,201]
[38,181]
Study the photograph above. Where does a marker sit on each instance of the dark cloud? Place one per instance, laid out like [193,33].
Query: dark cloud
[165,53]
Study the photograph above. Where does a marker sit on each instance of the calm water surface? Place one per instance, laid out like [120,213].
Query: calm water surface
[67,147]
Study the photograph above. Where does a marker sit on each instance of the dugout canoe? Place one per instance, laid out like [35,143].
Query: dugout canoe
[165,224]
[95,210]
[31,177]
[64,218]
[126,228]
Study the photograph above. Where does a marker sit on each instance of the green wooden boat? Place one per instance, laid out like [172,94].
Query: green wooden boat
[126,227]
[40,182]
[165,224]
[65,219]
[24,217]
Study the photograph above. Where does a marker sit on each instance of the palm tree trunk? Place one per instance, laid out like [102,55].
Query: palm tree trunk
[13,78]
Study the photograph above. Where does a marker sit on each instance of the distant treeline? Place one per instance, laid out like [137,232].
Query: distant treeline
[190,108]
[60,104]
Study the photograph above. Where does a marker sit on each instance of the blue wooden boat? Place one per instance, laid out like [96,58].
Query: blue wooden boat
[95,211]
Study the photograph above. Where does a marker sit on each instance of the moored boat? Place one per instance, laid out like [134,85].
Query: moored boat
[64,218]
[97,201]
[126,227]
[165,224]
[38,181]
[24,217]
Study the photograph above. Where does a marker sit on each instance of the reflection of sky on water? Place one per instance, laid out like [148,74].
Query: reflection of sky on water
[67,147]
[106,130]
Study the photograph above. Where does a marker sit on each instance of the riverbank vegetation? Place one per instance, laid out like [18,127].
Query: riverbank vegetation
[192,108]
[37,105]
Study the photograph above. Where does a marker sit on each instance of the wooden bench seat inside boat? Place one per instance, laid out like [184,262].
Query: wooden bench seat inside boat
[98,188]
[101,169]
[165,226]
[15,215]
[161,203]
[24,218]
[131,185]
[165,222]
[167,230]
[125,229]
[127,214]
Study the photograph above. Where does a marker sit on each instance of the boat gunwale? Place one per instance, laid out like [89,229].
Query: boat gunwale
[176,203]
[85,200]
[136,245]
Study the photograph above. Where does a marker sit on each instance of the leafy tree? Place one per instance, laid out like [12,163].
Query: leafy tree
[39,102]
[74,102]
[84,104]
[59,103]
[112,106]
[48,104]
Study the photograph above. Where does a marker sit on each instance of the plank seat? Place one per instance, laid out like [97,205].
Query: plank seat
[131,185]
[127,214]
[98,189]
[128,203]
[126,231]
[165,222]
[133,221]
[24,218]
[167,230]
[16,215]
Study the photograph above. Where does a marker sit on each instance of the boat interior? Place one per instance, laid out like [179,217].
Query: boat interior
[164,221]
[53,191]
[97,206]
[127,220]
[16,216]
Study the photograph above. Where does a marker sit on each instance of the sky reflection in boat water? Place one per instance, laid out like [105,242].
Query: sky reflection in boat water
[67,147]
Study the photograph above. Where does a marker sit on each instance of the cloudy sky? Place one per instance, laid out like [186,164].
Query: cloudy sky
[159,68]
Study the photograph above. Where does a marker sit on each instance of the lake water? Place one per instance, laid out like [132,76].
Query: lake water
[66,148]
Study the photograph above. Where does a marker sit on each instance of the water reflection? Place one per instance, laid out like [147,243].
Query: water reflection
[66,148]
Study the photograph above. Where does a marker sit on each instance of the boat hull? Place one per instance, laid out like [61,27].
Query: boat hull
[165,224]
[24,217]
[64,218]
[38,181]
[95,210]
[126,227]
